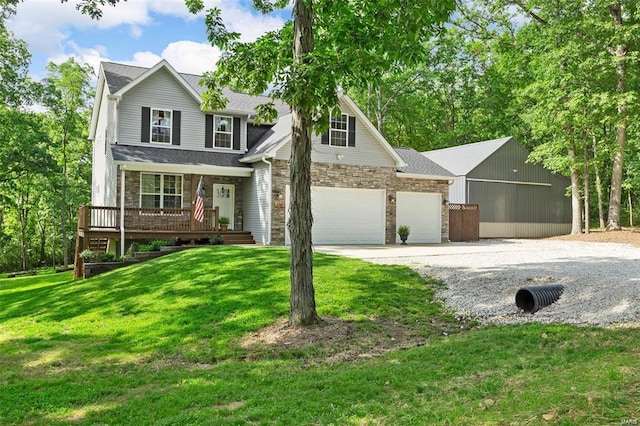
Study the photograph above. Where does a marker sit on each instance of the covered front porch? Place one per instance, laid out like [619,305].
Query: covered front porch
[101,228]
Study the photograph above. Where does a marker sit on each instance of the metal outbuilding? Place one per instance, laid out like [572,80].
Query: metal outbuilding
[517,199]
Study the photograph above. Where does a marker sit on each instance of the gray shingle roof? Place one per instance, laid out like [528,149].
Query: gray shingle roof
[461,160]
[156,155]
[420,165]
[120,75]
[280,132]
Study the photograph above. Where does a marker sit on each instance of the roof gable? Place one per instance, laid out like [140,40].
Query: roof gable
[120,78]
[461,160]
[280,135]
[163,64]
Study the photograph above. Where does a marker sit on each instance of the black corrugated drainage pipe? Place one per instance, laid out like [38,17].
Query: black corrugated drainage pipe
[532,299]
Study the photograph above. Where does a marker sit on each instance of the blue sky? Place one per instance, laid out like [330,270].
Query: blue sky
[136,32]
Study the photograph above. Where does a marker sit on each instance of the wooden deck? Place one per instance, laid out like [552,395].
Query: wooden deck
[100,223]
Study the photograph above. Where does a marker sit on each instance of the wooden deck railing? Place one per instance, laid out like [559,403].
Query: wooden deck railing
[142,219]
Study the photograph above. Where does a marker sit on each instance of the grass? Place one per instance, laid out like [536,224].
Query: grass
[158,343]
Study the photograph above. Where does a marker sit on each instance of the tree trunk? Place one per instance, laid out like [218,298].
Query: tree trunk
[598,186]
[63,215]
[615,195]
[587,197]
[43,245]
[630,210]
[303,305]
[379,112]
[576,213]
[23,213]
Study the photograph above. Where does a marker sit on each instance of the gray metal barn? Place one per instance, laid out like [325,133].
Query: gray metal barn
[517,199]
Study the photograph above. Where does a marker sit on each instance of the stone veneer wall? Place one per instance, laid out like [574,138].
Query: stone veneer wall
[132,191]
[352,176]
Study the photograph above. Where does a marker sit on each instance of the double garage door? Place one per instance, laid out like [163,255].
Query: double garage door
[358,216]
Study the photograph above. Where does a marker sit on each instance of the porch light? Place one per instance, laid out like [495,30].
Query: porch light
[391,198]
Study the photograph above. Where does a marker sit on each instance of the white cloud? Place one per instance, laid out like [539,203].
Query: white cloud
[191,57]
[143,59]
[136,31]
[57,31]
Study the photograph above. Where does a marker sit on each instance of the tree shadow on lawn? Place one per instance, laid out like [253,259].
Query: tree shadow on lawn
[162,305]
[448,380]
[182,310]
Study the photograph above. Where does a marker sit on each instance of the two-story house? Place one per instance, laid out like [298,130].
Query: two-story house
[152,144]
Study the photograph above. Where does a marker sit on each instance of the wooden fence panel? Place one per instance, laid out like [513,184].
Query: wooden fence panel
[464,222]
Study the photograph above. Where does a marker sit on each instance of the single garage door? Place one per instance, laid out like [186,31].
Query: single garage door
[346,215]
[422,213]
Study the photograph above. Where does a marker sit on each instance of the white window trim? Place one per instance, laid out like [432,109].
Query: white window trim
[162,175]
[230,133]
[346,133]
[170,127]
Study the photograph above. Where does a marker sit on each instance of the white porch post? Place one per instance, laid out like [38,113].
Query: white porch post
[122,173]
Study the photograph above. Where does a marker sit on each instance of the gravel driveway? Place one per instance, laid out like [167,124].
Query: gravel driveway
[601,280]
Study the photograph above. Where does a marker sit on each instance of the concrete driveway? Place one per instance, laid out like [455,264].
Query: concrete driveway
[409,251]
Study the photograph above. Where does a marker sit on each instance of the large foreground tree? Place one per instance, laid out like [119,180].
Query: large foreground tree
[329,46]
[326,47]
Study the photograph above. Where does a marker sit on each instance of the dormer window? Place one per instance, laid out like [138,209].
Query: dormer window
[160,125]
[223,131]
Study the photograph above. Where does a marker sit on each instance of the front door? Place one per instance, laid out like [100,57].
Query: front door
[224,197]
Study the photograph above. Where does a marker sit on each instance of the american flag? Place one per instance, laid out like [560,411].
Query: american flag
[198,213]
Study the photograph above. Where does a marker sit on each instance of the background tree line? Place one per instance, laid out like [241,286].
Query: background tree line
[45,155]
[562,76]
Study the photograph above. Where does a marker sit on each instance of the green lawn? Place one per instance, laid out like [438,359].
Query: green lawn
[159,343]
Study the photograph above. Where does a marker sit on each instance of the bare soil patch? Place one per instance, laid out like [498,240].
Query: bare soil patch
[335,340]
[625,236]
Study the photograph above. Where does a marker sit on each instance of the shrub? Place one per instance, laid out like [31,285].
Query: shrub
[223,220]
[156,244]
[107,257]
[217,240]
[404,231]
[87,254]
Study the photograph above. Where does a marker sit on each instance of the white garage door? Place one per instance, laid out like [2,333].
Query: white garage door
[422,213]
[346,216]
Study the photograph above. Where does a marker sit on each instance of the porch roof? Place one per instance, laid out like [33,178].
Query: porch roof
[179,160]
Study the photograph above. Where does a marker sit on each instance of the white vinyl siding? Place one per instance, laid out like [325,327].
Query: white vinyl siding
[458,190]
[111,182]
[103,171]
[162,91]
[256,203]
[367,152]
